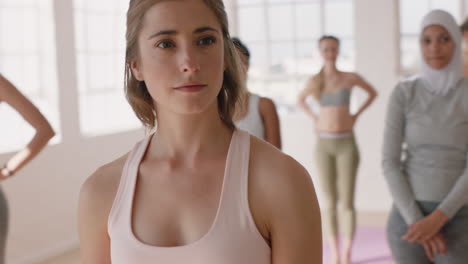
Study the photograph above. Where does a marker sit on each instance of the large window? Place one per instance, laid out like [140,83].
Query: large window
[100,47]
[27,59]
[282,36]
[411,15]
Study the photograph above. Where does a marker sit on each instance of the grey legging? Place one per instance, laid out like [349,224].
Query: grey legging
[3,225]
[455,233]
[337,163]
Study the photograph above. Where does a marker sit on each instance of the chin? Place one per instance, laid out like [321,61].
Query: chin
[438,66]
[196,108]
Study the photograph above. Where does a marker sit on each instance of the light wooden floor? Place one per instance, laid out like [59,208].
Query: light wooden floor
[67,258]
[365,219]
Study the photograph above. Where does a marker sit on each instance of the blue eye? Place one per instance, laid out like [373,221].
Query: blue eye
[207,41]
[165,45]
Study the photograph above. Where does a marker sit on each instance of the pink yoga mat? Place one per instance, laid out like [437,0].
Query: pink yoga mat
[370,247]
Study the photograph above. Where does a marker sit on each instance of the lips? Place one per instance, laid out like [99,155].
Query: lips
[191,87]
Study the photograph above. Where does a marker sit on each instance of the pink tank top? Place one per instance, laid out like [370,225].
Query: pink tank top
[233,237]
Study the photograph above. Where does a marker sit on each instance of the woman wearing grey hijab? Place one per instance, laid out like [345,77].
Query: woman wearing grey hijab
[425,152]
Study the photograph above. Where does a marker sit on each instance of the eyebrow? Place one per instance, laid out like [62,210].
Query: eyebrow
[439,35]
[174,32]
[204,29]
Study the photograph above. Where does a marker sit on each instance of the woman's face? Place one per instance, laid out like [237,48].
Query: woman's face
[437,46]
[329,49]
[181,56]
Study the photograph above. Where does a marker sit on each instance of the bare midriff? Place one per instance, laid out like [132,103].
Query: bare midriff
[335,119]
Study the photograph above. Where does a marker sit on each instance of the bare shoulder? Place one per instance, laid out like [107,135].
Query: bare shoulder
[100,188]
[266,100]
[352,76]
[309,86]
[276,182]
[96,198]
[267,104]
[272,166]
[281,192]
[311,81]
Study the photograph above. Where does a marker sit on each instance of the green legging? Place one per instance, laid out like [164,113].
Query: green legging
[337,163]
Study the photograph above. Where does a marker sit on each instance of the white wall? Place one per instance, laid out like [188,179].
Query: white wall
[43,197]
[378,57]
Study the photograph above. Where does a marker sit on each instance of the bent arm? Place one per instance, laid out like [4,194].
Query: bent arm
[371,92]
[301,99]
[458,195]
[271,122]
[397,181]
[44,131]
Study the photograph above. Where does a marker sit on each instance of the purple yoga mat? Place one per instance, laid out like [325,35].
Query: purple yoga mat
[370,247]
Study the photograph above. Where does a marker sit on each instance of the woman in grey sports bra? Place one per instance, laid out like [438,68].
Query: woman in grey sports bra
[340,98]
[44,132]
[337,155]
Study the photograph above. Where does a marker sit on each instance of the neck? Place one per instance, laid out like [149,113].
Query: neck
[186,136]
[329,68]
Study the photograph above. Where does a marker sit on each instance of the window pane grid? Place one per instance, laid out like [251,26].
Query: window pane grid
[285,53]
[27,59]
[99,40]
[100,49]
[17,47]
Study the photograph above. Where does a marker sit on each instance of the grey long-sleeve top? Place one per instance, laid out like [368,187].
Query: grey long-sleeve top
[425,152]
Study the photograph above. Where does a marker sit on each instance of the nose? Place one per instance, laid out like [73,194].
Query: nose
[434,47]
[189,62]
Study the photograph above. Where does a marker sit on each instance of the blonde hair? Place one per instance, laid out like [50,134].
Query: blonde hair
[319,78]
[136,91]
